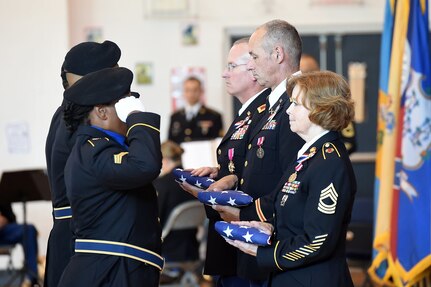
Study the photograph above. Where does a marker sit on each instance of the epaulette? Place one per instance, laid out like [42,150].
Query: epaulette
[329,148]
[94,141]
[261,108]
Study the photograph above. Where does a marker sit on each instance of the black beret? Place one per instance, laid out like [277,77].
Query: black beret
[88,57]
[100,87]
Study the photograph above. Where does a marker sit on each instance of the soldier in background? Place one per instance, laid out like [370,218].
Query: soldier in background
[195,121]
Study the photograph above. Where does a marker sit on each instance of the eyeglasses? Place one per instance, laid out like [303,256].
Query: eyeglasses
[232,66]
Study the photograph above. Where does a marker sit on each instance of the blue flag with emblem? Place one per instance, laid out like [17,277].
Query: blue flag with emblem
[202,182]
[226,197]
[243,233]
[403,225]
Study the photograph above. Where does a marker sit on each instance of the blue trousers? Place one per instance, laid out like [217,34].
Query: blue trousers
[13,233]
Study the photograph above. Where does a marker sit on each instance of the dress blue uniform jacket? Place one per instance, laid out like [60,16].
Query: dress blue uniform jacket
[311,217]
[59,143]
[261,175]
[109,188]
[206,125]
[221,256]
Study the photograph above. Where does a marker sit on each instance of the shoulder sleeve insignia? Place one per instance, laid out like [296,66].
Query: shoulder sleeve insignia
[329,148]
[118,158]
[261,108]
[328,200]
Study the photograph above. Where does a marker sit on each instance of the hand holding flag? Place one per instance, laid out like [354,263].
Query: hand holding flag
[227,197]
[243,233]
[202,182]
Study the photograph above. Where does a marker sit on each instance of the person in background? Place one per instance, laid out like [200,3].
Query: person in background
[195,121]
[12,233]
[108,178]
[348,135]
[179,245]
[82,59]
[315,195]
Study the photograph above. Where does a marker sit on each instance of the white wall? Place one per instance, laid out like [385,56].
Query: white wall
[35,35]
[34,39]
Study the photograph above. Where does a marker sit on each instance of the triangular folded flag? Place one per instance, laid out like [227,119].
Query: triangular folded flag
[226,197]
[243,233]
[202,182]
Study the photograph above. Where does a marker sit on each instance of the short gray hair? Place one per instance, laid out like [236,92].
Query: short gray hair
[280,32]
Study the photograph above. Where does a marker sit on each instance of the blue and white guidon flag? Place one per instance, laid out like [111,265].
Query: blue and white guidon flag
[202,182]
[243,233]
[226,197]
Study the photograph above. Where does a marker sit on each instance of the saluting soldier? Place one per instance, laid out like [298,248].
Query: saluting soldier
[195,121]
[82,59]
[315,196]
[108,178]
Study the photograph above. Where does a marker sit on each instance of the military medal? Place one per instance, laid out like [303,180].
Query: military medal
[292,177]
[283,199]
[260,152]
[231,165]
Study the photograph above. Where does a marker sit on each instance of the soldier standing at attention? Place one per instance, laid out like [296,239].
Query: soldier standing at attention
[195,121]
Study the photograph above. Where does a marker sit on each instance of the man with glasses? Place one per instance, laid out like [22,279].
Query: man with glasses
[221,260]
[275,50]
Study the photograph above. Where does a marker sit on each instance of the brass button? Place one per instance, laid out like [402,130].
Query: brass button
[249,146]
[245,163]
[188,132]
[219,151]
[242,181]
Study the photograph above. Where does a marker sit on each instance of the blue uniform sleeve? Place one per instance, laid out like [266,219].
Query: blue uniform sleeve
[141,164]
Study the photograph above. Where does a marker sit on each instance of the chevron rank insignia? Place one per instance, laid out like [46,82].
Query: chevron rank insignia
[202,182]
[243,233]
[328,200]
[226,197]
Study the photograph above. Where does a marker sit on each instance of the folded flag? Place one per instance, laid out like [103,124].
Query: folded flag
[202,182]
[226,197]
[243,233]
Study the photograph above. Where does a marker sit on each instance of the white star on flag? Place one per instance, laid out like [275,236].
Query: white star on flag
[212,200]
[198,184]
[247,237]
[231,201]
[182,178]
[228,231]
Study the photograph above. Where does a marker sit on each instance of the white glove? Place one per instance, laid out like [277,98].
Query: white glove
[128,105]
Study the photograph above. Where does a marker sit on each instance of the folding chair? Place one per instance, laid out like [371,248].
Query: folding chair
[187,215]
[359,242]
[6,250]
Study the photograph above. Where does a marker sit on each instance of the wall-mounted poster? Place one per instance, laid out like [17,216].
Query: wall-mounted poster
[189,34]
[178,75]
[94,34]
[144,73]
